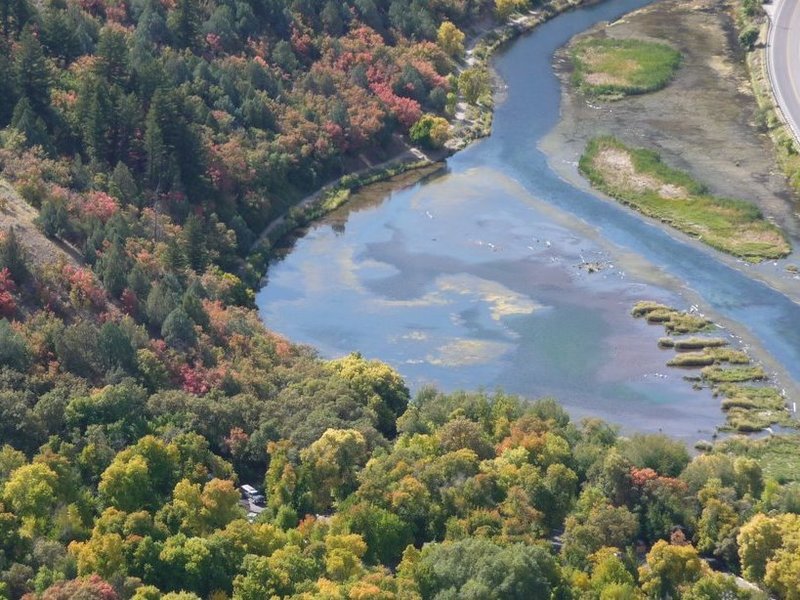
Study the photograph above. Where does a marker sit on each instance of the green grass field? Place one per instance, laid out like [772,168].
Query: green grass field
[611,67]
[779,456]
[638,178]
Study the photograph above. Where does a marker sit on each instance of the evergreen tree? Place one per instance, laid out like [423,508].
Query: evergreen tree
[96,114]
[53,219]
[59,36]
[178,329]
[194,240]
[14,14]
[161,301]
[184,23]
[122,184]
[112,270]
[32,74]
[8,92]
[159,168]
[112,55]
[27,122]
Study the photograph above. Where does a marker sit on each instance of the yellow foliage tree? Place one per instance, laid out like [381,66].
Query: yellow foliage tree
[450,39]
[669,568]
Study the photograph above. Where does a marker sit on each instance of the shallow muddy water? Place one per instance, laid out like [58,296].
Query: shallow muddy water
[473,277]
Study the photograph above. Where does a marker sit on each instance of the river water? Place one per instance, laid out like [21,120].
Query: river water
[472,278]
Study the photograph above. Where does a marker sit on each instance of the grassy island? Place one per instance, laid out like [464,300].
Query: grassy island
[637,177]
[616,68]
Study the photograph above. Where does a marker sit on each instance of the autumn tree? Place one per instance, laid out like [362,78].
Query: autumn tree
[331,464]
[450,39]
[669,569]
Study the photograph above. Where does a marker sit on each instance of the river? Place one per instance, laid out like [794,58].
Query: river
[472,278]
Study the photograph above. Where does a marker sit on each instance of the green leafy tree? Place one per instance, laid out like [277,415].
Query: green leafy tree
[478,568]
[178,329]
[377,385]
[474,83]
[658,452]
[331,464]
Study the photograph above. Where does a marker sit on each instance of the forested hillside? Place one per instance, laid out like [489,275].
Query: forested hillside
[144,146]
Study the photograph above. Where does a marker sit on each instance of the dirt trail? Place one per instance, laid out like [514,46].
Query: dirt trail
[704,122]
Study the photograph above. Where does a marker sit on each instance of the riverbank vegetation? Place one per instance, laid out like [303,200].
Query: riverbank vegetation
[638,178]
[613,67]
[748,408]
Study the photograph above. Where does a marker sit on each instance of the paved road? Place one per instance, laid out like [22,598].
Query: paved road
[783,56]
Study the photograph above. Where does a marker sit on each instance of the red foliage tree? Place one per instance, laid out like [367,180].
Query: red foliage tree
[89,588]
[7,287]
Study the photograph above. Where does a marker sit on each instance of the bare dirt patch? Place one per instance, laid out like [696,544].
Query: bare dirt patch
[619,170]
[18,214]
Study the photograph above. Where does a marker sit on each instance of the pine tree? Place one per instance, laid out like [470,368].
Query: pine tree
[112,55]
[25,120]
[112,270]
[158,160]
[194,241]
[14,14]
[184,23]
[32,74]
[8,93]
[96,116]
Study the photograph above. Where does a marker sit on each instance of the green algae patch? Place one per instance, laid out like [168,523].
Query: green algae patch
[637,178]
[614,68]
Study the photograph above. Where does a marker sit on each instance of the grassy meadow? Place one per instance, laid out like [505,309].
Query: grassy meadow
[616,68]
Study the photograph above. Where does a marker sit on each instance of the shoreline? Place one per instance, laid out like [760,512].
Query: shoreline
[465,131]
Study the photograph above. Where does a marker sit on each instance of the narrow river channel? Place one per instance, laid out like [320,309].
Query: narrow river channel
[473,277]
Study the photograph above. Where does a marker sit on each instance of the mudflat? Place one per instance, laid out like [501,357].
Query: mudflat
[704,122]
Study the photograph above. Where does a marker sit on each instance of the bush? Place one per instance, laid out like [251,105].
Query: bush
[748,37]
[430,131]
[13,350]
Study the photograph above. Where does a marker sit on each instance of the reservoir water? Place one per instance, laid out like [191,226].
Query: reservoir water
[476,277]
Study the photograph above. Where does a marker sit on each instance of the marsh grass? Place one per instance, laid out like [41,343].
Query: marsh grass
[614,68]
[699,343]
[637,177]
[709,356]
[716,374]
[674,321]
[750,397]
[748,408]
